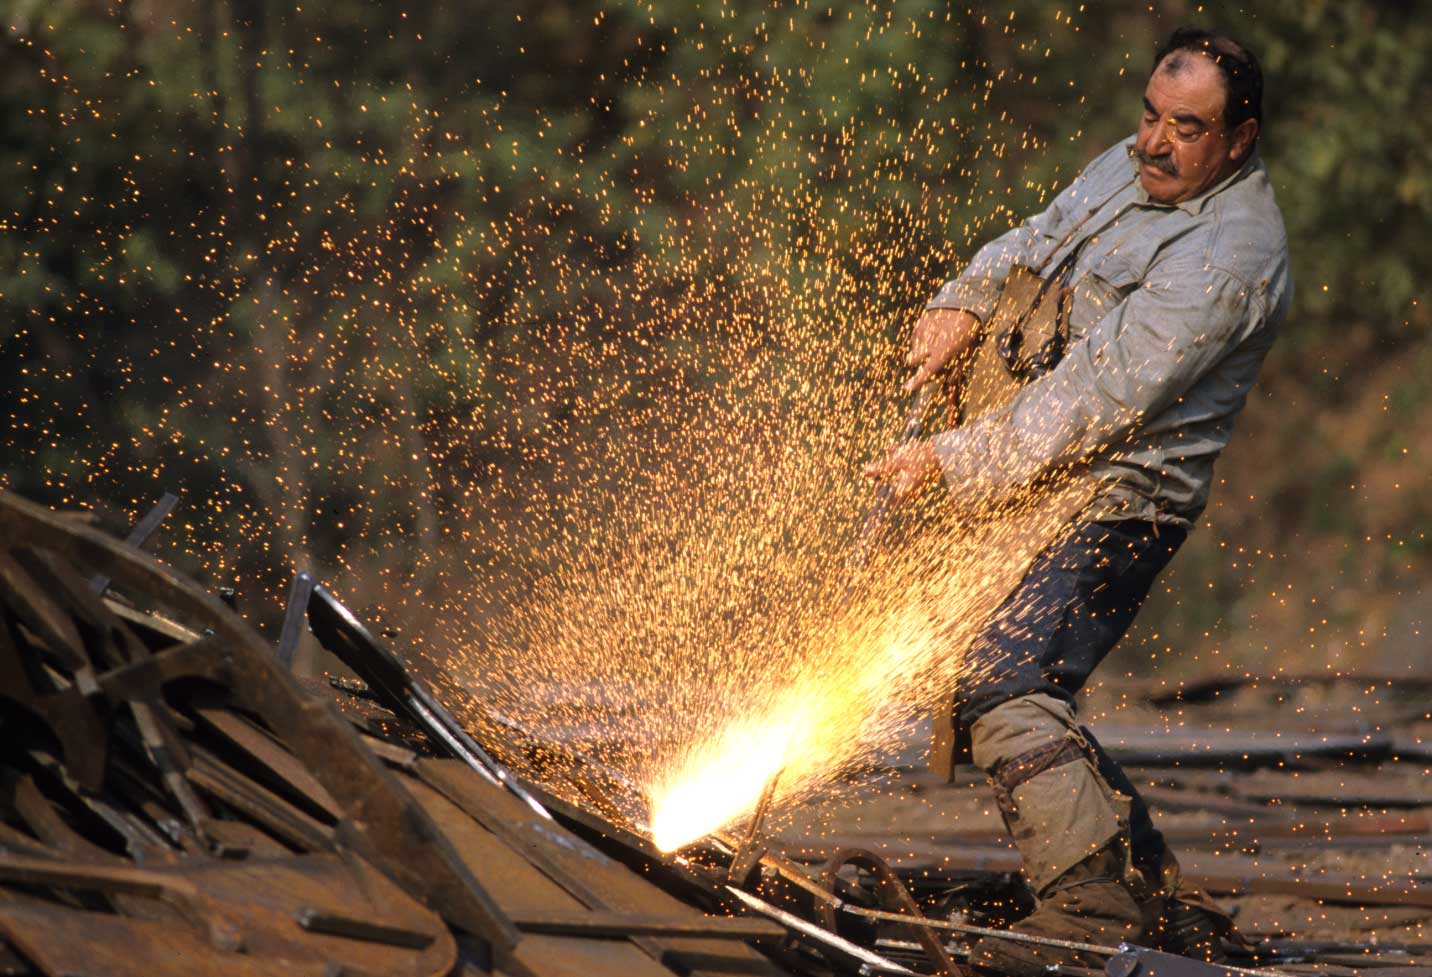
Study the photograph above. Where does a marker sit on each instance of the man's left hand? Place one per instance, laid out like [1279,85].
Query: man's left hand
[909,468]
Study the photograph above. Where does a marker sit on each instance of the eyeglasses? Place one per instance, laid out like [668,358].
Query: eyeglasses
[1186,131]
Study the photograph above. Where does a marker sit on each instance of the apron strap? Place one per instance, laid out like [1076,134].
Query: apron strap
[1047,357]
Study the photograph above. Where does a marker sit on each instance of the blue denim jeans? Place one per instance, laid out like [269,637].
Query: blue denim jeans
[1075,603]
[1072,607]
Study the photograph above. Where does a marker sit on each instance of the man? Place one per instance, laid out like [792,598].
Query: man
[1179,282]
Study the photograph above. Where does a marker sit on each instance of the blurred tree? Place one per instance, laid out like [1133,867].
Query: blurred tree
[357,276]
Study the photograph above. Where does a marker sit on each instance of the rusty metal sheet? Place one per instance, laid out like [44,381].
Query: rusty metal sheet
[257,908]
[12,964]
[46,824]
[593,878]
[275,759]
[201,658]
[524,890]
[522,885]
[274,814]
[37,609]
[62,941]
[76,723]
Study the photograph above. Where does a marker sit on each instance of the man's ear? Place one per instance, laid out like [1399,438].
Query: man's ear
[1242,142]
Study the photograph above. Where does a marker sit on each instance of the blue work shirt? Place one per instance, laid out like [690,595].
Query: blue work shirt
[1174,308]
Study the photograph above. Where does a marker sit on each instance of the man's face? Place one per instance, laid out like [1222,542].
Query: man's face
[1184,145]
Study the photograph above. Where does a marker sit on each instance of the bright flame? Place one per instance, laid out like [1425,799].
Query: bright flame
[722,780]
[818,723]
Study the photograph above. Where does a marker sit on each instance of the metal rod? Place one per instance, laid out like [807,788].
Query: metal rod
[295,617]
[878,513]
[599,922]
[944,924]
[1017,937]
[748,851]
[762,806]
[139,535]
[809,929]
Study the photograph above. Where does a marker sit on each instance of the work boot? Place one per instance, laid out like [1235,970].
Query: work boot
[1087,904]
[1193,925]
[1180,917]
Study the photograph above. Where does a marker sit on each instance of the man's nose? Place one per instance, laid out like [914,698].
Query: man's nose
[1158,143]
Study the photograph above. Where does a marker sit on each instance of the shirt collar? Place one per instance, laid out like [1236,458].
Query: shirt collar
[1195,205]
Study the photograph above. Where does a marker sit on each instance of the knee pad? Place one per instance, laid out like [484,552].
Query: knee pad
[1057,807]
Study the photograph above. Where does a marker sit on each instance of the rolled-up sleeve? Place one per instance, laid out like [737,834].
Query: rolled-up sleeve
[1142,356]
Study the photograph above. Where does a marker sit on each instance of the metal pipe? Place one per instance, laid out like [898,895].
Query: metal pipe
[880,507]
[943,924]
[814,932]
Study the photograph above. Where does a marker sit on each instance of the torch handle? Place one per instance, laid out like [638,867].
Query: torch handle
[878,512]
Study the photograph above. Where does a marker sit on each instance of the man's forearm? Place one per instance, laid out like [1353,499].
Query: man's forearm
[940,338]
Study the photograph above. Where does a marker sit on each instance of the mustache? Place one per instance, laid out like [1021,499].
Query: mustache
[1164,164]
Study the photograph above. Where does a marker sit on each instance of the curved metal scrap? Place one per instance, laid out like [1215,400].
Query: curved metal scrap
[893,896]
[379,819]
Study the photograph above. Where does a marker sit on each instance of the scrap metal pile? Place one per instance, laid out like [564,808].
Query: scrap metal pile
[174,801]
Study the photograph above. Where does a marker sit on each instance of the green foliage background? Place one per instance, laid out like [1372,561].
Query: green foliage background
[315,265]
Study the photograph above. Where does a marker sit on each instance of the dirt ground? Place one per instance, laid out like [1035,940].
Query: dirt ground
[1306,803]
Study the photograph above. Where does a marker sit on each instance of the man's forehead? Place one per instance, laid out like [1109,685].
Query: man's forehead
[1192,84]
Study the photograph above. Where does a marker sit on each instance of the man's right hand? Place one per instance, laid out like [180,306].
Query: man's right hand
[940,336]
